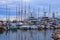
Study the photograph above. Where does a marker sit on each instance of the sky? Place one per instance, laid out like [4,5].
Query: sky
[43,5]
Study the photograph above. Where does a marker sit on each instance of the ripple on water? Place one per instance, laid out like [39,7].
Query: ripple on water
[27,35]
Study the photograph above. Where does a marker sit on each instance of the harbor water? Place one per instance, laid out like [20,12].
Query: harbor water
[26,35]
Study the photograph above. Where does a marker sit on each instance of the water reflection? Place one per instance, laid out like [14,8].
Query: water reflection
[27,35]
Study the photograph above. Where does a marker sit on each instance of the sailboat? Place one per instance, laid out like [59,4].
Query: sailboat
[2,25]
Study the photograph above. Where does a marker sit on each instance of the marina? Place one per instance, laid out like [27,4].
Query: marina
[29,20]
[43,23]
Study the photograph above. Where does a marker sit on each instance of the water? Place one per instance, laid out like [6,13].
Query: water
[26,35]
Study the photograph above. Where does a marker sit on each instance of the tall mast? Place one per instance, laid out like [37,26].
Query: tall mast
[29,8]
[38,12]
[16,13]
[25,11]
[31,14]
[53,15]
[44,12]
[6,12]
[9,14]
[56,14]
[19,12]
[49,9]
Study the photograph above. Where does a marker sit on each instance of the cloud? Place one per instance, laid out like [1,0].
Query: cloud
[8,1]
[3,1]
[11,18]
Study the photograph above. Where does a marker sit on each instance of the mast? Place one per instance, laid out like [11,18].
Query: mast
[44,14]
[16,13]
[31,14]
[6,12]
[38,12]
[19,12]
[29,8]
[9,14]
[25,11]
[49,9]
[53,15]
